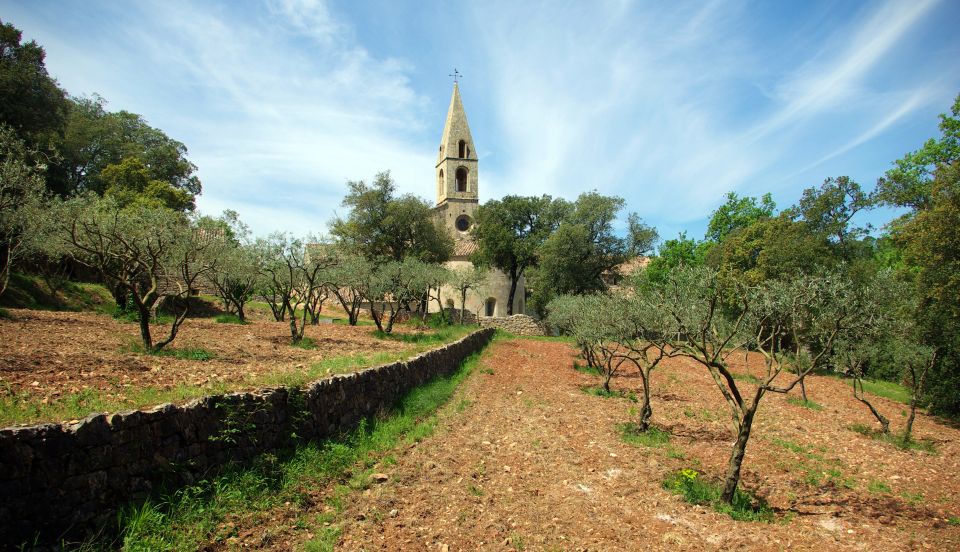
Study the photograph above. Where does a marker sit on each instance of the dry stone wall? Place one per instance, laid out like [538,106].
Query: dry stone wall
[61,481]
[518,324]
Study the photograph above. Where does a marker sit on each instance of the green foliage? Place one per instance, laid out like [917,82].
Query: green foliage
[689,484]
[908,183]
[584,248]
[682,251]
[382,226]
[828,212]
[737,213]
[652,437]
[510,233]
[308,343]
[31,102]
[119,150]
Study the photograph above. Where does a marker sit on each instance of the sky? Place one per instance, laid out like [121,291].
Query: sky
[669,105]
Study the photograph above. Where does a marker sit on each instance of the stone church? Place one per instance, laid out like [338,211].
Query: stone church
[458,197]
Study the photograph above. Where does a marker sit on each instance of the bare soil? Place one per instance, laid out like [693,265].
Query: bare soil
[54,354]
[534,463]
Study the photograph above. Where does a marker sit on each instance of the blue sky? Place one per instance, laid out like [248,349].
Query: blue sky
[669,105]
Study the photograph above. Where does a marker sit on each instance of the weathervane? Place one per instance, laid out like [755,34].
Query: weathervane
[456,75]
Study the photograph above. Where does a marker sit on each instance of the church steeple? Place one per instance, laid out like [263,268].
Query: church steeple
[456,169]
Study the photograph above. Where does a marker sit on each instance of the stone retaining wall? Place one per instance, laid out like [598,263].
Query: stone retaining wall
[518,324]
[59,481]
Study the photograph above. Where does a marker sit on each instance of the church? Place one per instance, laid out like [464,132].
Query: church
[458,197]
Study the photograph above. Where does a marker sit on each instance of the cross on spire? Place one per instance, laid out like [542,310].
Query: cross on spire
[456,75]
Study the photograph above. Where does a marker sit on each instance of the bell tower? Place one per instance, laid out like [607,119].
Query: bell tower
[456,169]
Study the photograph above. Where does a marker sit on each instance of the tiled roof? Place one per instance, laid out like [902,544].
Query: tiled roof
[464,247]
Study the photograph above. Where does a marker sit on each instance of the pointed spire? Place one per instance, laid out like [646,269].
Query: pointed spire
[456,129]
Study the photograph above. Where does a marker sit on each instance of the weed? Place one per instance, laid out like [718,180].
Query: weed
[896,440]
[324,541]
[675,453]
[599,391]
[878,487]
[689,484]
[912,498]
[791,446]
[652,437]
[463,404]
[486,370]
[954,521]
[182,353]
[703,414]
[230,319]
[517,541]
[308,343]
[798,401]
[474,490]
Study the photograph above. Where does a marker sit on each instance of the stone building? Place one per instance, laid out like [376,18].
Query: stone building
[458,197]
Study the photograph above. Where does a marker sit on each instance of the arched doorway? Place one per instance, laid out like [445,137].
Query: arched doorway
[490,306]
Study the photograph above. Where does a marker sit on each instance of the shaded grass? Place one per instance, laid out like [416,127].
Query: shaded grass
[750,378]
[652,437]
[25,406]
[183,353]
[230,319]
[695,489]
[26,291]
[586,369]
[599,391]
[191,517]
[894,439]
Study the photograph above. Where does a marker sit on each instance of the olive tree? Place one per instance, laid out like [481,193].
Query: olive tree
[348,278]
[236,278]
[463,280]
[393,285]
[152,254]
[776,318]
[21,204]
[296,278]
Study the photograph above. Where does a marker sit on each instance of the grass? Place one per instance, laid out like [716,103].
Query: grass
[31,292]
[230,319]
[888,390]
[308,343]
[24,407]
[653,437]
[191,517]
[695,489]
[586,369]
[894,439]
[798,401]
[599,391]
[817,470]
[750,378]
[444,334]
[954,521]
[183,353]
[878,487]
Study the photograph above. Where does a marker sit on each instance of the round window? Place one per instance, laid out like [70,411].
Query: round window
[463,223]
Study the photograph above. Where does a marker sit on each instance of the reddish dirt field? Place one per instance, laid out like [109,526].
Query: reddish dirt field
[51,354]
[534,463]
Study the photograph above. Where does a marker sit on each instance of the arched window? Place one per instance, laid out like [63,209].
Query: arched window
[489,306]
[461,179]
[463,149]
[440,183]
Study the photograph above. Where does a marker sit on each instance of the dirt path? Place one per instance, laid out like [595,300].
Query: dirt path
[534,463]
